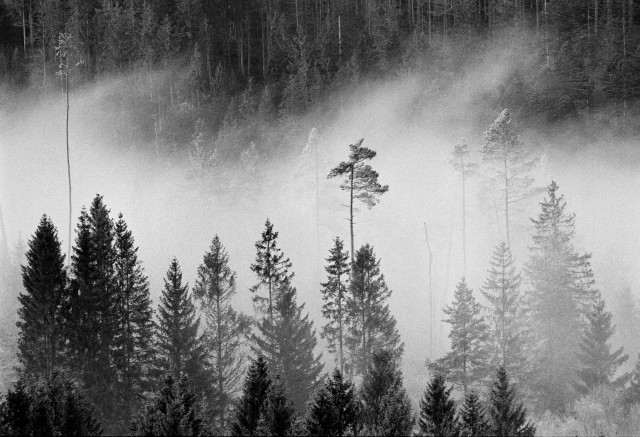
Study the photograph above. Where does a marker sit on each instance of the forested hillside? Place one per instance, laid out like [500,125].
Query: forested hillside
[351,217]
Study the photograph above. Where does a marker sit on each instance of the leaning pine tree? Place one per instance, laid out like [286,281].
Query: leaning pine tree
[179,345]
[224,331]
[371,324]
[360,180]
[466,363]
[334,296]
[287,342]
[438,410]
[41,340]
[599,363]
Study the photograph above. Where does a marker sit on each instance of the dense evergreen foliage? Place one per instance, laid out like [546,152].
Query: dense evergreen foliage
[508,416]
[252,402]
[334,410]
[473,422]
[438,410]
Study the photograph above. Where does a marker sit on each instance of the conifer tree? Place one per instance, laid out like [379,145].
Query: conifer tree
[508,418]
[386,408]
[561,296]
[173,412]
[599,363]
[224,331]
[41,341]
[371,324]
[473,422]
[277,417]
[133,326]
[91,314]
[502,290]
[360,180]
[272,269]
[334,295]
[466,363]
[437,410]
[52,406]
[254,396]
[511,163]
[334,411]
[631,394]
[465,168]
[287,343]
[179,346]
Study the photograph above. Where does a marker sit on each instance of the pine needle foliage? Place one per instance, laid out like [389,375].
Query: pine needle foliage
[438,410]
[508,417]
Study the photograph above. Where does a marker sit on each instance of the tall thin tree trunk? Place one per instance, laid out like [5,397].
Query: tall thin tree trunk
[351,214]
[426,234]
[506,201]
[66,76]
[464,220]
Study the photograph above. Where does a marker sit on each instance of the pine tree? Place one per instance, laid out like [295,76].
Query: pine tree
[371,324]
[511,163]
[472,417]
[173,412]
[179,346]
[287,342]
[361,181]
[224,332]
[133,326]
[334,295]
[561,296]
[334,411]
[254,396]
[466,363]
[277,417]
[508,419]
[599,363]
[41,341]
[386,406]
[272,269]
[52,406]
[502,290]
[465,168]
[437,410]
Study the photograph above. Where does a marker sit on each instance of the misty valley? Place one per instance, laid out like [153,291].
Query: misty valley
[319,217]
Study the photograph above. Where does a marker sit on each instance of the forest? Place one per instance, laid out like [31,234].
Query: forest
[351,215]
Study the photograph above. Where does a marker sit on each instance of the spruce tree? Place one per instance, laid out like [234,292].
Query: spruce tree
[508,418]
[251,403]
[179,346]
[371,324]
[599,363]
[224,332]
[287,342]
[334,410]
[272,269]
[561,296]
[466,363]
[334,296]
[386,408]
[41,340]
[52,406]
[92,309]
[360,180]
[437,410]
[134,324]
[473,422]
[507,332]
[173,412]
[277,416]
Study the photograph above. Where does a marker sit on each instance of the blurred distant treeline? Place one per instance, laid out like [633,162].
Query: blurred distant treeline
[229,62]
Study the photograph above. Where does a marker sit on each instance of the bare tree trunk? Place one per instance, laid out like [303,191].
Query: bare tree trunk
[66,75]
[24,31]
[506,201]
[426,234]
[351,214]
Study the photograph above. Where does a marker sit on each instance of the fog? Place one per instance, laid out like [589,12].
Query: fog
[413,127]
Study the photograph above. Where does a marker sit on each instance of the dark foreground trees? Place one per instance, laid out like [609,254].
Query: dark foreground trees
[508,416]
[47,407]
[334,410]
[438,410]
